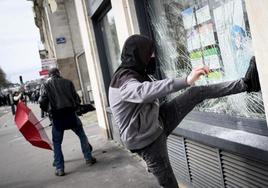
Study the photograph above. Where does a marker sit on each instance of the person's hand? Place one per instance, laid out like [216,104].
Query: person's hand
[196,73]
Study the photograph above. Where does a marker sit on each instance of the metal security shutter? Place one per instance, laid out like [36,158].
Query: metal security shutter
[177,157]
[242,172]
[204,165]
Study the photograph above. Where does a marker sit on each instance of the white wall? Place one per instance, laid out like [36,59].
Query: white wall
[125,19]
[126,25]
[59,27]
[258,20]
[46,27]
[95,74]
[49,43]
[73,26]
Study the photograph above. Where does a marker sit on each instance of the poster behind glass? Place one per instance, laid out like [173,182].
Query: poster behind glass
[216,33]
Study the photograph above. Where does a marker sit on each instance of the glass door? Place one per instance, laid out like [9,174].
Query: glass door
[110,39]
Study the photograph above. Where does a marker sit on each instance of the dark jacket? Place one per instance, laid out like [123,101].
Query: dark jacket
[58,94]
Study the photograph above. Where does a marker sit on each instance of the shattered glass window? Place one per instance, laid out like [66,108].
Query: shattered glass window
[190,33]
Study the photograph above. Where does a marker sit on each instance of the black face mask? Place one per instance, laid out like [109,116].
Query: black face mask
[151,67]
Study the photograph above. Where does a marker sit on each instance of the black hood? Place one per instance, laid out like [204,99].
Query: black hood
[136,53]
[135,57]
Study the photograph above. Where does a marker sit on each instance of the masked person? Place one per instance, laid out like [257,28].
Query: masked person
[144,124]
[59,98]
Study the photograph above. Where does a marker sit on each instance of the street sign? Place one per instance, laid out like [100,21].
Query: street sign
[43,72]
[48,63]
[60,40]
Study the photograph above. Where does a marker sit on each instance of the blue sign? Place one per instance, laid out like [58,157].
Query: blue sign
[60,40]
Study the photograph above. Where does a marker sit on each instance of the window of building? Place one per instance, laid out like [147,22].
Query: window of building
[189,33]
[110,40]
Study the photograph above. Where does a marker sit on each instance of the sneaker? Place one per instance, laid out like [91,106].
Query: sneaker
[252,77]
[91,161]
[59,172]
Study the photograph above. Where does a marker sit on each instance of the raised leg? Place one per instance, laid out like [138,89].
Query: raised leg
[173,112]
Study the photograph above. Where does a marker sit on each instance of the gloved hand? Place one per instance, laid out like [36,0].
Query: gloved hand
[196,73]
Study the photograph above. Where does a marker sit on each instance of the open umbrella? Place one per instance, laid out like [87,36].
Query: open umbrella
[30,127]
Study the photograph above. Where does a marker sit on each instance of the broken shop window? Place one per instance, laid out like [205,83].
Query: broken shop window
[190,33]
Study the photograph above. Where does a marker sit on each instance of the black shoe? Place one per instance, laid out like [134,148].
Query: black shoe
[59,172]
[252,77]
[91,161]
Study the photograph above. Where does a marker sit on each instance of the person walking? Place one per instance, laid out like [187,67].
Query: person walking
[17,97]
[144,124]
[59,98]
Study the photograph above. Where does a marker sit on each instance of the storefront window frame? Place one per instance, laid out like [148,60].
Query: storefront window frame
[255,126]
[96,18]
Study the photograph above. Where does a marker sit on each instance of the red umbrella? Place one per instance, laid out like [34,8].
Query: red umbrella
[30,127]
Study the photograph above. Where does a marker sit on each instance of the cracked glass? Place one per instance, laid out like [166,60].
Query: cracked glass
[190,33]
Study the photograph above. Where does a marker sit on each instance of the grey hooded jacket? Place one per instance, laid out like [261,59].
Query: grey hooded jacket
[134,97]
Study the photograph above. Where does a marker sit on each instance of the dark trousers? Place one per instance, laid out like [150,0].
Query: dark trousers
[172,113]
[57,138]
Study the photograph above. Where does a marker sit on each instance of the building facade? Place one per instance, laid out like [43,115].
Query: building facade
[223,142]
[60,34]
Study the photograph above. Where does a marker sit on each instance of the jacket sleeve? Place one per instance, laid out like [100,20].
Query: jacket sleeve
[75,95]
[43,99]
[137,92]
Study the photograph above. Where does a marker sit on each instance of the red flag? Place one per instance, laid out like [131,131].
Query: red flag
[31,128]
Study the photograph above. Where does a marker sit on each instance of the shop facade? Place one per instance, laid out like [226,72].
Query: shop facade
[223,142]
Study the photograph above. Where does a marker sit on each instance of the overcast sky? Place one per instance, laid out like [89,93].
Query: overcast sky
[19,40]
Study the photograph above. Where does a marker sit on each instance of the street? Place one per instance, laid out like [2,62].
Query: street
[4,110]
[23,165]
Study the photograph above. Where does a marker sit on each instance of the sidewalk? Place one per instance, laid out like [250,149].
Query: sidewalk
[23,165]
[116,167]
[4,110]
